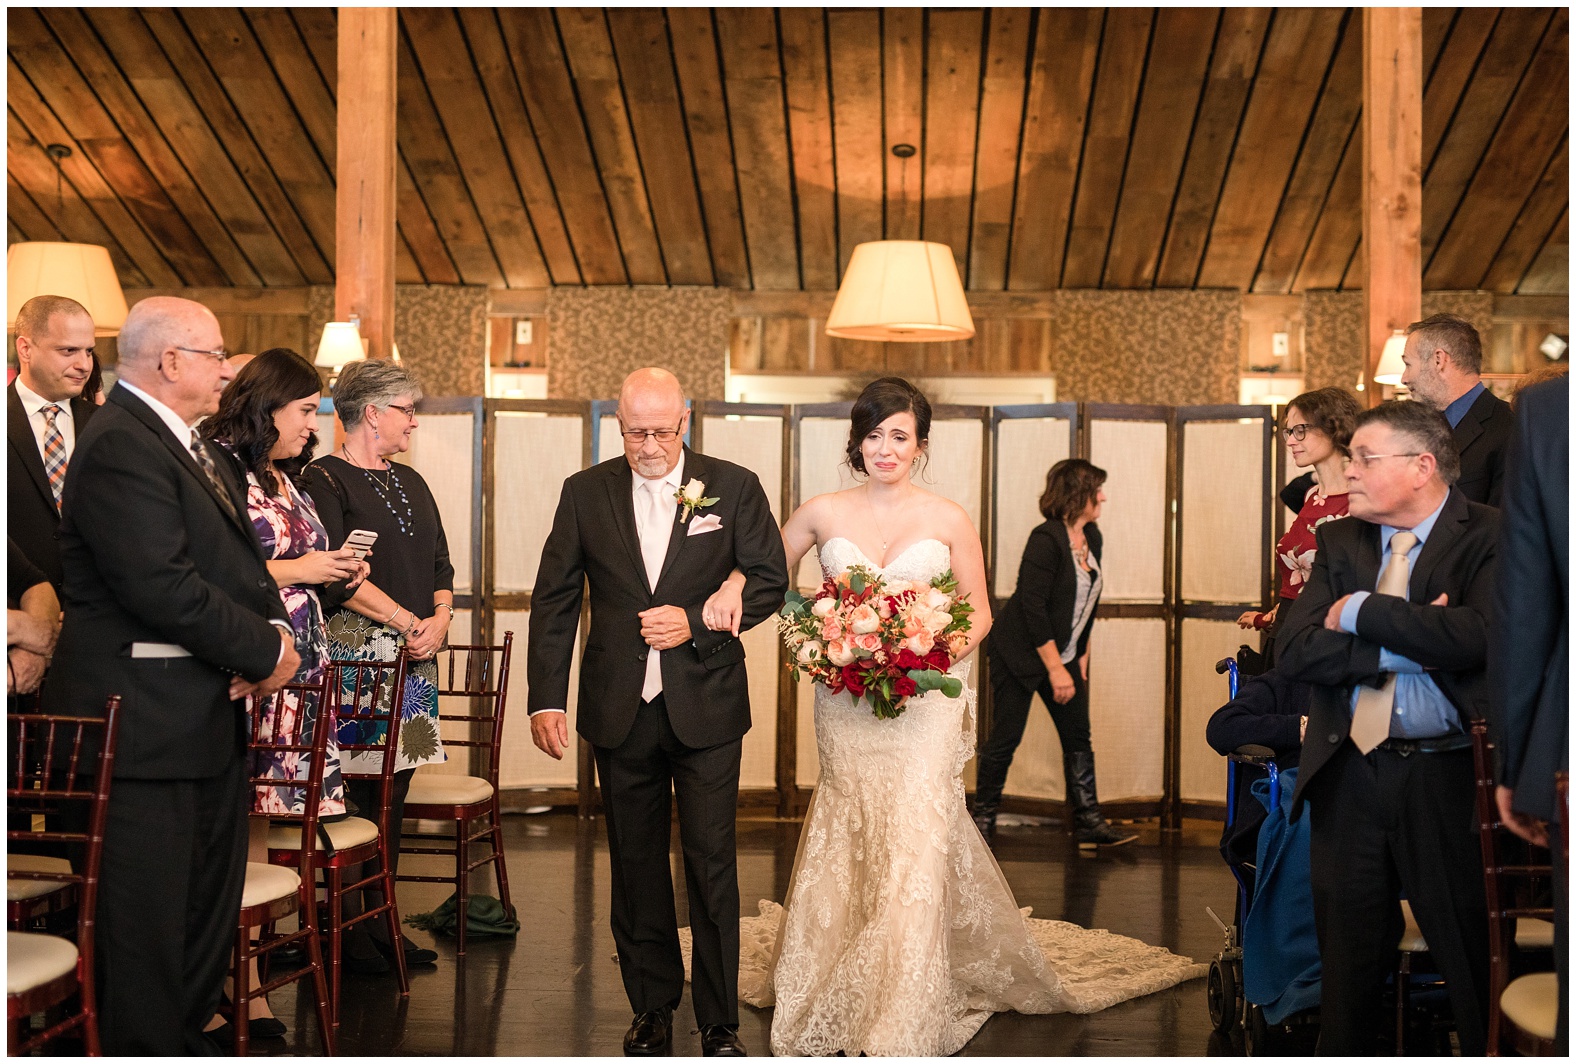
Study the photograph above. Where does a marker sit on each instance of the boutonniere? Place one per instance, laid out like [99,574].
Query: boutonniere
[692,497]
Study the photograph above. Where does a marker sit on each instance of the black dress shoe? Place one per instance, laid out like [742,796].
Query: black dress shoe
[262,1027]
[414,954]
[648,1034]
[718,1040]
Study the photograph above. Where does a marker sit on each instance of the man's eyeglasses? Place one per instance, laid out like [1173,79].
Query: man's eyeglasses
[220,356]
[1362,461]
[1297,432]
[637,437]
[408,411]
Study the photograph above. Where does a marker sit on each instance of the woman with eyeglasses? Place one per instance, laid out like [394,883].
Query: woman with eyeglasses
[1317,428]
[406,601]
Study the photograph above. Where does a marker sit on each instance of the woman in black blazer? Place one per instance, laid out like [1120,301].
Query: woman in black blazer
[1040,644]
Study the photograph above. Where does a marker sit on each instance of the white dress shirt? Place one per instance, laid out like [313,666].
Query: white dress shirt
[34,404]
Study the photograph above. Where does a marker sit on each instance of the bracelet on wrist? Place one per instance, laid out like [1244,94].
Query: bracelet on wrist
[394,617]
[443,606]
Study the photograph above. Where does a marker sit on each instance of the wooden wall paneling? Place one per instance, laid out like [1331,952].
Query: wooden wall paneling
[807,82]
[484,34]
[27,222]
[1339,229]
[1550,271]
[1058,101]
[433,168]
[177,71]
[1173,86]
[13,232]
[1540,214]
[1232,68]
[589,50]
[542,74]
[753,82]
[855,40]
[125,119]
[444,65]
[1448,74]
[1297,57]
[640,41]
[1334,120]
[1003,83]
[1504,60]
[1124,50]
[1533,127]
[695,60]
[34,125]
[419,230]
[952,102]
[236,58]
[903,117]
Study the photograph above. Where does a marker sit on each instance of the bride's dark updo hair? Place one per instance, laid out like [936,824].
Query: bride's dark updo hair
[880,400]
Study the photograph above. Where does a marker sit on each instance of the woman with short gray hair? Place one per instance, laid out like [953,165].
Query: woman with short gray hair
[407,601]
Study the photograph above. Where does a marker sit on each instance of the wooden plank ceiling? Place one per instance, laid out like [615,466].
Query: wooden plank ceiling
[1112,148]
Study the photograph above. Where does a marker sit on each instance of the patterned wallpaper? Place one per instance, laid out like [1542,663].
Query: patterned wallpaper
[600,334]
[1334,322]
[441,331]
[1171,347]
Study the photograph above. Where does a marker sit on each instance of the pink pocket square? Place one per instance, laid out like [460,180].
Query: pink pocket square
[708,523]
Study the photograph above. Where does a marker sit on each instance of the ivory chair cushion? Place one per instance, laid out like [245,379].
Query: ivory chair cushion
[352,831]
[1532,933]
[33,960]
[1412,937]
[440,788]
[1533,1003]
[266,882]
[23,889]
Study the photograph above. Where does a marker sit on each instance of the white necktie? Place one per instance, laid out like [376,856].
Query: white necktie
[656,528]
[1371,719]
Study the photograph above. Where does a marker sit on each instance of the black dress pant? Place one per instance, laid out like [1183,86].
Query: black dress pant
[174,867]
[1385,824]
[1010,702]
[639,779]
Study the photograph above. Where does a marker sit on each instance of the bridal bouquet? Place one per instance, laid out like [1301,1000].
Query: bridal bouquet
[882,640]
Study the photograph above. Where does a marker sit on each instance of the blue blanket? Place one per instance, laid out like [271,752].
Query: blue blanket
[1280,947]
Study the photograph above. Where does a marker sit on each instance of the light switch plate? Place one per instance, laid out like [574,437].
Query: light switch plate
[1281,344]
[522,332]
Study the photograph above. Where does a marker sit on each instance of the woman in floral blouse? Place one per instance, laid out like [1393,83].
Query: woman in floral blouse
[1318,430]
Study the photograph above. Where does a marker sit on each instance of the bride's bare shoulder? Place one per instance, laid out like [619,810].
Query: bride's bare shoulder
[947,515]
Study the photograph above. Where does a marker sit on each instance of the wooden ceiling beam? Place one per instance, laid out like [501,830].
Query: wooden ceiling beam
[855,40]
[807,81]
[1452,70]
[656,119]
[903,117]
[1124,50]
[1053,127]
[1173,86]
[366,147]
[1550,271]
[1538,218]
[1004,83]
[1296,60]
[952,104]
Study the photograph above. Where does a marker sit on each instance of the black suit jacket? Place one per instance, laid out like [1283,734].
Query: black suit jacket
[594,540]
[1482,438]
[1531,717]
[31,519]
[1041,607]
[1452,640]
[151,556]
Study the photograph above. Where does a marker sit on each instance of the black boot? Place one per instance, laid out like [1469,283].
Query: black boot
[1089,824]
[985,816]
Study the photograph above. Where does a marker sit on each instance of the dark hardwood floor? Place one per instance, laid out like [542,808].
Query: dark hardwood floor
[555,989]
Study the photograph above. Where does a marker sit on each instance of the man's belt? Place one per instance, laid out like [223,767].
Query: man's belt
[1442,745]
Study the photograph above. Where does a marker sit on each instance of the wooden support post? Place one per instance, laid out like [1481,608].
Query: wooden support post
[364,198]
[1392,176]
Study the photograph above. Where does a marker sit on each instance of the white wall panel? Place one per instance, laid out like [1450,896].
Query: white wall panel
[1222,510]
[1203,692]
[523,765]
[1026,448]
[1127,706]
[442,451]
[1133,454]
[755,443]
[759,766]
[823,467]
[955,469]
[533,455]
[458,763]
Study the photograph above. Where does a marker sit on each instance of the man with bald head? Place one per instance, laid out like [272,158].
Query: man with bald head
[44,413]
[168,603]
[664,702]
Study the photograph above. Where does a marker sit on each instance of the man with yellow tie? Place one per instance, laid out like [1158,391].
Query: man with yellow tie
[1392,629]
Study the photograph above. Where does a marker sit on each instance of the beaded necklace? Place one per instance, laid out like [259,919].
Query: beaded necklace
[390,484]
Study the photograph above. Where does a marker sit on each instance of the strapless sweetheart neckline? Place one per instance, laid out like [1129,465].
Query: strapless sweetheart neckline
[891,562]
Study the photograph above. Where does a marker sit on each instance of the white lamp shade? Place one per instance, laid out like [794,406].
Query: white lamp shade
[79,271]
[1391,365]
[906,290]
[341,344]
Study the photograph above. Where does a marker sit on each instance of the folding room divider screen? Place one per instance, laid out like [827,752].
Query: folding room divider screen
[1188,531]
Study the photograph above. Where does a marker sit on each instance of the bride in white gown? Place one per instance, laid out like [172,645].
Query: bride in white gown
[900,935]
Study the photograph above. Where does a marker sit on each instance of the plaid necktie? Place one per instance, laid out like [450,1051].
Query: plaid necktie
[206,461]
[54,452]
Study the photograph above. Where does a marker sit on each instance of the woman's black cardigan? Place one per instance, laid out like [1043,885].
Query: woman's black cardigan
[1041,609]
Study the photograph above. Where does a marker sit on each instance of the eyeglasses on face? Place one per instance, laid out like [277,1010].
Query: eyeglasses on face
[637,437]
[1362,461]
[220,356]
[408,411]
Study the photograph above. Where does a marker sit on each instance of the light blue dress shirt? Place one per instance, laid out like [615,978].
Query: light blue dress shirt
[1421,710]
[1458,409]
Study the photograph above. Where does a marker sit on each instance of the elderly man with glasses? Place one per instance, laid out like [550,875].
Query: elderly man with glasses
[1392,632]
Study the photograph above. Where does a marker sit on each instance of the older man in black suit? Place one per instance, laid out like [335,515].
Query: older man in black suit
[1531,719]
[1392,632]
[45,413]
[168,603]
[1444,367]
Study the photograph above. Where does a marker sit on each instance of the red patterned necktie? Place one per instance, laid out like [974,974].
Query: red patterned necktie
[54,452]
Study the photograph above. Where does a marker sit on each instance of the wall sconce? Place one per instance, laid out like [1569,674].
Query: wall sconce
[904,290]
[1391,366]
[82,272]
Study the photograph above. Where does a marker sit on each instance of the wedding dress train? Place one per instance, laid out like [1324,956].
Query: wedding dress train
[900,935]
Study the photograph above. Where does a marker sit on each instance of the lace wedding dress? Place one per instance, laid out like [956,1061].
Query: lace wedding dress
[901,936]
